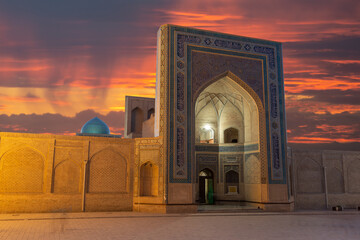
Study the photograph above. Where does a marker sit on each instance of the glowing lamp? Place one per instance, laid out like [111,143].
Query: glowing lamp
[207,127]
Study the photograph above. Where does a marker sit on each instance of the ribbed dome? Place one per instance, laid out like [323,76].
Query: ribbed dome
[95,126]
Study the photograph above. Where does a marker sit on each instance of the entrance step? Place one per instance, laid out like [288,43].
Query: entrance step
[227,208]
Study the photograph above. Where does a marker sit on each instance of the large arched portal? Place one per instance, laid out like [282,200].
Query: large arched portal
[230,113]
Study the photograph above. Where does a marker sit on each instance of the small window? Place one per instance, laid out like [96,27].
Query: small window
[231,135]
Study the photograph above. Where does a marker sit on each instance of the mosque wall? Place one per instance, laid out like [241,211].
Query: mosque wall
[324,179]
[49,173]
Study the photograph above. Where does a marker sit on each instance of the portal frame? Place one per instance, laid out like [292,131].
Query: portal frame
[177,84]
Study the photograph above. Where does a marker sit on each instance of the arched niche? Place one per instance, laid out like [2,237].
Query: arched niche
[137,120]
[107,172]
[335,180]
[66,177]
[231,135]
[206,121]
[309,177]
[353,176]
[226,104]
[231,182]
[22,171]
[149,179]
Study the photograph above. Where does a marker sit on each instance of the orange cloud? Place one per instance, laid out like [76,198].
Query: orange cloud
[198,19]
[343,129]
[60,103]
[298,85]
[15,127]
[342,61]
[22,99]
[115,130]
[320,107]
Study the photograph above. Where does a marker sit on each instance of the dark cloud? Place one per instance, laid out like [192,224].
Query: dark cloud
[57,123]
[330,47]
[334,96]
[336,126]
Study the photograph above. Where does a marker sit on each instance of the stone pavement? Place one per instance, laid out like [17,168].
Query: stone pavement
[132,225]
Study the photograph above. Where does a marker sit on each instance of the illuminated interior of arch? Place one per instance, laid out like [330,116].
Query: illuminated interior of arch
[226,113]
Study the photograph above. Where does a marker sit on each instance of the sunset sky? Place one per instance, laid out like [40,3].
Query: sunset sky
[64,62]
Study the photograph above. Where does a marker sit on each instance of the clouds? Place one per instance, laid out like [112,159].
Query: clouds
[61,57]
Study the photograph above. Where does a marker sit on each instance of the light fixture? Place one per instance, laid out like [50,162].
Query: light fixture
[207,127]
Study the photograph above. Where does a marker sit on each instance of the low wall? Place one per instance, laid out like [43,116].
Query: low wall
[324,179]
[50,173]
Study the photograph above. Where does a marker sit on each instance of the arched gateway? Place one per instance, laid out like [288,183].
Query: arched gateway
[220,106]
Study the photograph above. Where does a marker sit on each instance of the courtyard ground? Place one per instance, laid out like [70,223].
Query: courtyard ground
[130,225]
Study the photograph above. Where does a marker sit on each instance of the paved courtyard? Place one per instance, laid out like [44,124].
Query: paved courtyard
[304,225]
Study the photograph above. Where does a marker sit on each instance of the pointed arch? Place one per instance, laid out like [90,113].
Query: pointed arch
[107,172]
[22,170]
[335,180]
[309,177]
[236,79]
[231,135]
[137,118]
[232,182]
[66,178]
[149,179]
[353,176]
[254,133]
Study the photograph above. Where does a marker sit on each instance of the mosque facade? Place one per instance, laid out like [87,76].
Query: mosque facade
[214,134]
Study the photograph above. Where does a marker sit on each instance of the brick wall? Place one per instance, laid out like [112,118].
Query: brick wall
[49,173]
[323,179]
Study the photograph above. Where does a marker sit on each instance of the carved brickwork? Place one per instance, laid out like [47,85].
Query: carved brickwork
[22,171]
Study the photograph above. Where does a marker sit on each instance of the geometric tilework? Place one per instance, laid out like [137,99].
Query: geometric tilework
[189,60]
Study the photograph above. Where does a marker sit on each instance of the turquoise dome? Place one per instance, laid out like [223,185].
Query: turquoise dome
[95,126]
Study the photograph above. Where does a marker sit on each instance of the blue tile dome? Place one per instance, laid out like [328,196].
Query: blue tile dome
[95,126]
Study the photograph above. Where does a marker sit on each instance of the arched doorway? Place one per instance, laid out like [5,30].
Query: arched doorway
[206,186]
